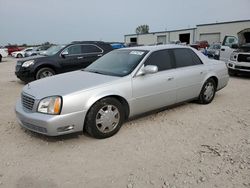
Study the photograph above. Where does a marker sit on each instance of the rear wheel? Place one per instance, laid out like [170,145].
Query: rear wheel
[105,118]
[19,56]
[207,92]
[0,58]
[44,72]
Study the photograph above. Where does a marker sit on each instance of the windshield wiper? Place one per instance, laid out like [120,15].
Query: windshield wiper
[94,71]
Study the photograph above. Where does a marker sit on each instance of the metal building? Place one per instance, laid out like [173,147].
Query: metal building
[214,32]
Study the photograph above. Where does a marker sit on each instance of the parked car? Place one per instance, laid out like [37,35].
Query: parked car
[236,52]
[37,51]
[21,54]
[13,49]
[122,84]
[117,45]
[200,45]
[59,59]
[214,51]
[3,53]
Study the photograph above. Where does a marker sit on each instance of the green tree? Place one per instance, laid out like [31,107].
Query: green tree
[142,29]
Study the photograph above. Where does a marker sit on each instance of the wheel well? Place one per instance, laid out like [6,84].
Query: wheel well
[121,100]
[215,79]
[43,66]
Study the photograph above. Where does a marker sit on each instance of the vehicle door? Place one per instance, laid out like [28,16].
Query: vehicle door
[190,73]
[71,57]
[152,91]
[91,52]
[226,48]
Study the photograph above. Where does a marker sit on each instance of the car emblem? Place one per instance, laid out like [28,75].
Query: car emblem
[28,86]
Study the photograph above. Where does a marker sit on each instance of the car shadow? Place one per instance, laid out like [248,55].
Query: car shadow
[241,76]
[55,139]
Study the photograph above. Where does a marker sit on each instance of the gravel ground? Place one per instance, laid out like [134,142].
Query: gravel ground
[190,145]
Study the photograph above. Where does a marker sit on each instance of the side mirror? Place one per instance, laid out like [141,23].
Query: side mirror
[64,54]
[149,69]
[235,46]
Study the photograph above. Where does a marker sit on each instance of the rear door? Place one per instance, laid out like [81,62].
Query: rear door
[90,53]
[156,90]
[190,73]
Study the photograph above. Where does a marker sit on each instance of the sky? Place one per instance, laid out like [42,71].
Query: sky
[63,21]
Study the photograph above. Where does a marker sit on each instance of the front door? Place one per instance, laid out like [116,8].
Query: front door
[71,58]
[152,91]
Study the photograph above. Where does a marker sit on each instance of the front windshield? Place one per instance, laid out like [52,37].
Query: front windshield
[117,62]
[53,50]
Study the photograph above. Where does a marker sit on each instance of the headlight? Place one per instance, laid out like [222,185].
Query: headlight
[233,56]
[28,63]
[50,105]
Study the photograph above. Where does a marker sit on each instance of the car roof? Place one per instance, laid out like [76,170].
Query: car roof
[156,47]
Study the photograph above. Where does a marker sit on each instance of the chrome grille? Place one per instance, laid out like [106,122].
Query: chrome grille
[27,102]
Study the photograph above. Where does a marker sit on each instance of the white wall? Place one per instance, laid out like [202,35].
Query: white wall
[223,29]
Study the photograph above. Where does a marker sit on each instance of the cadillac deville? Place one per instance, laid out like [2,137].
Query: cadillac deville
[121,84]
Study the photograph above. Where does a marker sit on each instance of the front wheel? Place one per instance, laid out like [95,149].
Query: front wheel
[19,56]
[0,58]
[207,92]
[44,72]
[105,118]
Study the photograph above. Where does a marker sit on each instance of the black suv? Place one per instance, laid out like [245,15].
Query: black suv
[61,58]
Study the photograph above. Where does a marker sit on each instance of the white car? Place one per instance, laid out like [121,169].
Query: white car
[20,54]
[3,53]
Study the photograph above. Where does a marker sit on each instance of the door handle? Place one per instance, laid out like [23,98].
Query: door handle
[80,57]
[170,78]
[222,49]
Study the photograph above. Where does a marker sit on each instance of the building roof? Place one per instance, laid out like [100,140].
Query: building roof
[223,22]
[217,23]
[158,32]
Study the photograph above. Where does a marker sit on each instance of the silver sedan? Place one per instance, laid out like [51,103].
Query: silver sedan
[123,83]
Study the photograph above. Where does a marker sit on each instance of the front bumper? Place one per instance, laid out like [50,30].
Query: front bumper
[51,125]
[24,74]
[238,66]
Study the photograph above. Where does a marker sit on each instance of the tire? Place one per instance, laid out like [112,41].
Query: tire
[19,56]
[0,58]
[44,72]
[207,92]
[232,72]
[105,118]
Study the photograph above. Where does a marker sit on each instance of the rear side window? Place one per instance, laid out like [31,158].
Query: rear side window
[161,59]
[90,49]
[185,57]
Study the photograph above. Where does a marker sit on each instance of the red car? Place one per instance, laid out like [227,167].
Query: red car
[13,49]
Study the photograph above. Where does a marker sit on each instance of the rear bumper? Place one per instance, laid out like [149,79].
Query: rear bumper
[51,125]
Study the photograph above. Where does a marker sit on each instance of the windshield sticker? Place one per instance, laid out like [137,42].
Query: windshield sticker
[136,53]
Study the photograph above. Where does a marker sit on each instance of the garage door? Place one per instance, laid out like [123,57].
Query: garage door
[161,39]
[210,37]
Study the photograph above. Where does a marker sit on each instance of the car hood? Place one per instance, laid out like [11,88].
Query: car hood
[68,83]
[37,57]
[244,37]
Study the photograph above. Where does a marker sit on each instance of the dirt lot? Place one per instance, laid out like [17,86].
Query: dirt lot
[190,145]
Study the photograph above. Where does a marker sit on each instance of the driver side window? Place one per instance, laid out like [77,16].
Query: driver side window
[73,50]
[229,41]
[161,59]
